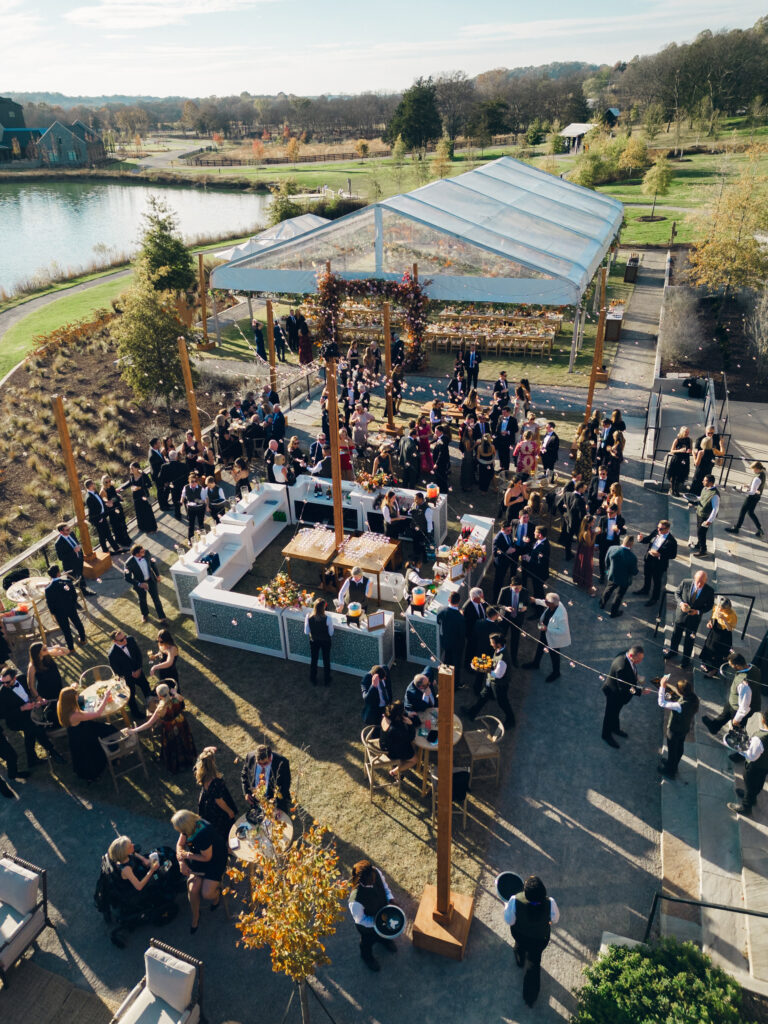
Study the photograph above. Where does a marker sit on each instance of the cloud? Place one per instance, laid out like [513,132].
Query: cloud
[137,14]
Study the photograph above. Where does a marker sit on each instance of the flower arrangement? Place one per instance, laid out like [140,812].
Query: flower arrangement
[468,552]
[283,592]
[375,481]
[482,663]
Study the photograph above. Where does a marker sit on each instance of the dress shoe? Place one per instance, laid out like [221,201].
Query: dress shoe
[616,614]
[620,732]
[740,792]
[732,529]
[661,769]
[371,963]
[649,604]
[759,533]
[611,742]
[669,654]
[145,618]
[552,677]
[740,809]
[709,723]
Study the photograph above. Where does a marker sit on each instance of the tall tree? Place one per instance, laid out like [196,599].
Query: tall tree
[416,118]
[163,249]
[657,180]
[653,120]
[455,96]
[146,336]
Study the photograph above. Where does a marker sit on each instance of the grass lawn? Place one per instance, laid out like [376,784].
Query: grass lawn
[638,232]
[18,340]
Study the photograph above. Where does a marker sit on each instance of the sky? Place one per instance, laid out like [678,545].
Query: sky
[310,47]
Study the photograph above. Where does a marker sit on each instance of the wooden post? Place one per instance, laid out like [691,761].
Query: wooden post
[390,428]
[333,430]
[201,275]
[597,358]
[250,306]
[216,324]
[271,346]
[575,338]
[443,919]
[186,370]
[416,272]
[95,564]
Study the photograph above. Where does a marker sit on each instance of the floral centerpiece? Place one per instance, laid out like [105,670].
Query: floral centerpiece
[375,481]
[467,551]
[283,592]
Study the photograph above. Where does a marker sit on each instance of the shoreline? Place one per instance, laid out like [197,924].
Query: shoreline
[138,177]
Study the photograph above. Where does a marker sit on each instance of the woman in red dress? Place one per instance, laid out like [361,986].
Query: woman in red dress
[424,432]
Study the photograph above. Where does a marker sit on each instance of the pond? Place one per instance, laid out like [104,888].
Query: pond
[54,227]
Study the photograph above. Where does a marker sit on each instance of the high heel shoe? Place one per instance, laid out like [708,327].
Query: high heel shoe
[193,928]
[216,905]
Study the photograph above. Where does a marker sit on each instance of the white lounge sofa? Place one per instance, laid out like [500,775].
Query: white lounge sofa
[23,909]
[166,994]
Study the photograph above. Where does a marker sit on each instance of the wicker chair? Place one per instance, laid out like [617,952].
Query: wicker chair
[483,745]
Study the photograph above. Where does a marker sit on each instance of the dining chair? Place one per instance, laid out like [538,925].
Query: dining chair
[52,735]
[459,795]
[484,745]
[95,674]
[124,746]
[377,761]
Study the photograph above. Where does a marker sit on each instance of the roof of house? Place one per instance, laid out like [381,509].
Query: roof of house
[573,131]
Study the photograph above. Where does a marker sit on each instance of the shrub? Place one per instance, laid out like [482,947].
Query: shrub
[681,336]
[668,981]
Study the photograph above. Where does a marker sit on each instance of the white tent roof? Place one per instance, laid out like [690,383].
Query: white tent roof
[506,232]
[291,228]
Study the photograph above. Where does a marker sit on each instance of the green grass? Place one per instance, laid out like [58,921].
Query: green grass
[59,286]
[18,340]
[638,232]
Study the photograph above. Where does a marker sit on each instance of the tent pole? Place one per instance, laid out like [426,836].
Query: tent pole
[333,430]
[201,275]
[250,306]
[575,338]
[596,360]
[271,342]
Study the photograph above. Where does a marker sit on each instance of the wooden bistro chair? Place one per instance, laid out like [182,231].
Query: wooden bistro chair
[376,761]
[95,674]
[461,781]
[484,745]
[125,747]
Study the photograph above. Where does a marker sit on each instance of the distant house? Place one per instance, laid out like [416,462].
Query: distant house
[18,143]
[611,116]
[11,114]
[574,135]
[75,145]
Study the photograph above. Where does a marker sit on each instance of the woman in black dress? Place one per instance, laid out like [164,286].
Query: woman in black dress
[84,729]
[44,679]
[485,455]
[139,483]
[202,855]
[705,461]
[396,740]
[165,658]
[680,461]
[110,495]
[214,803]
[514,499]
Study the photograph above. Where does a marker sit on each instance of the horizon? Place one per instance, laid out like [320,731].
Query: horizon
[162,48]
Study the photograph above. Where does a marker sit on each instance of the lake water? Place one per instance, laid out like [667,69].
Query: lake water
[69,225]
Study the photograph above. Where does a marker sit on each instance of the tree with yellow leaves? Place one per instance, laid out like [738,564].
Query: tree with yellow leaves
[296,898]
[292,149]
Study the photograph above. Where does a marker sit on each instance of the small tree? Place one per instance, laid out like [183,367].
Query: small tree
[657,180]
[295,899]
[443,157]
[634,156]
[257,147]
[162,248]
[146,336]
[757,333]
[362,148]
[420,166]
[653,121]
[399,151]
[292,149]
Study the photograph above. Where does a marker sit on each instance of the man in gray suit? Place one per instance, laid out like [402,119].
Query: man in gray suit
[621,568]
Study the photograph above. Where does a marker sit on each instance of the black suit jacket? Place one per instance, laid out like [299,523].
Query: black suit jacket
[61,596]
[602,538]
[621,682]
[97,510]
[667,551]
[523,548]
[156,462]
[124,662]
[372,706]
[575,510]
[11,706]
[471,618]
[457,388]
[70,560]
[414,701]
[550,452]
[538,563]
[503,548]
[482,633]
[704,603]
[505,601]
[478,358]
[279,779]
[594,498]
[135,576]
[508,424]
[450,622]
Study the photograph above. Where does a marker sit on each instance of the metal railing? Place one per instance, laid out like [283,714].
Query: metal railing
[725,464]
[659,896]
[725,406]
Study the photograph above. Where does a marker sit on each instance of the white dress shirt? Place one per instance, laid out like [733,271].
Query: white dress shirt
[744,692]
[754,750]
[345,587]
[328,623]
[356,909]
[754,487]
[715,509]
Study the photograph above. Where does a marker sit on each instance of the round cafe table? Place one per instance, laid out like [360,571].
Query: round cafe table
[258,841]
[425,748]
[90,697]
[18,592]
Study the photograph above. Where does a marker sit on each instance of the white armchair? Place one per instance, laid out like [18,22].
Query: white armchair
[166,994]
[23,909]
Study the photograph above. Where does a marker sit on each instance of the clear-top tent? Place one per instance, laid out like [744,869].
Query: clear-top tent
[291,228]
[505,232]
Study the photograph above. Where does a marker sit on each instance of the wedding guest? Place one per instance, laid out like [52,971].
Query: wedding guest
[319,628]
[214,803]
[194,503]
[70,553]
[214,498]
[142,573]
[110,495]
[98,518]
[202,855]
[139,483]
[61,598]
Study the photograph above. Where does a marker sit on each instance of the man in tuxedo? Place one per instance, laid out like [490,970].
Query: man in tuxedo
[171,478]
[125,660]
[274,770]
[621,568]
[457,388]
[604,440]
[441,456]
[61,598]
[70,554]
[575,510]
[278,424]
[523,534]
[16,708]
[409,459]
[279,342]
[536,565]
[474,611]
[621,684]
[450,624]
[513,601]
[695,597]
[273,449]
[142,573]
[504,436]
[292,330]
[97,516]
[376,690]
[157,460]
[472,360]
[611,526]
[504,558]
[501,387]
[482,427]
[598,490]
[550,450]
[662,549]
[420,695]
